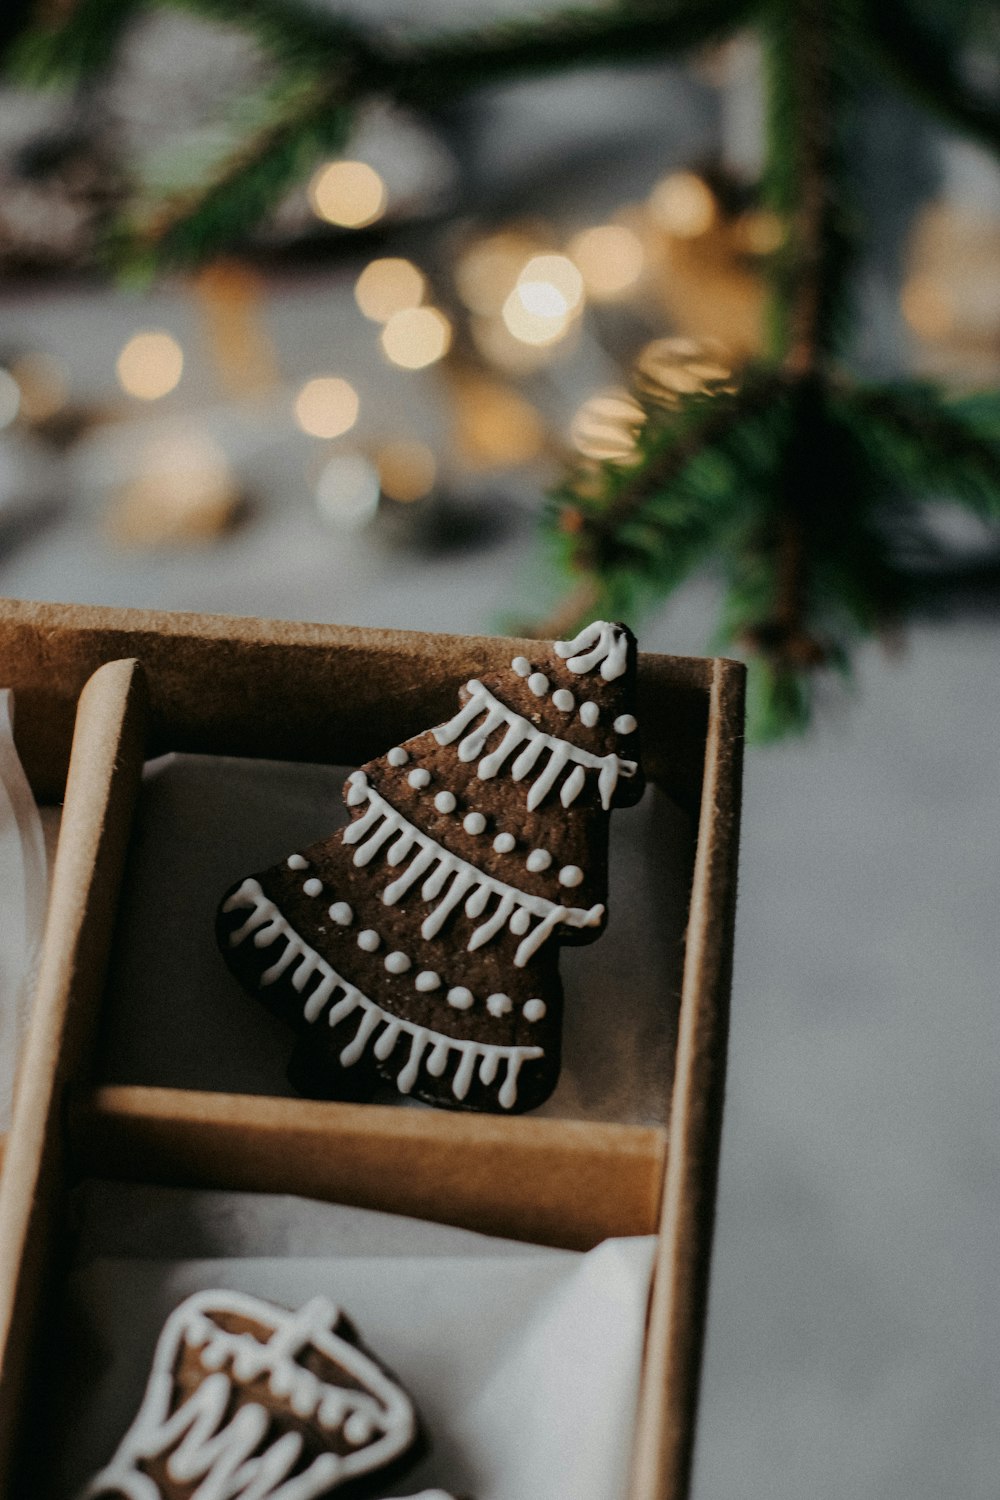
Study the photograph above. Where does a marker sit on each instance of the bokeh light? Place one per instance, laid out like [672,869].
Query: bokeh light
[547,274]
[610,258]
[389,285]
[347,491]
[606,425]
[350,194]
[416,337]
[495,425]
[532,325]
[487,271]
[673,367]
[326,406]
[43,384]
[183,491]
[150,365]
[683,204]
[406,470]
[927,307]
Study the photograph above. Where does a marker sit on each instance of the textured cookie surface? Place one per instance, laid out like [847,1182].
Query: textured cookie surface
[419,946]
[246,1399]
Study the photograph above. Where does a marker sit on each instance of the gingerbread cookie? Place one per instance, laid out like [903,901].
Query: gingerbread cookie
[246,1401]
[419,946]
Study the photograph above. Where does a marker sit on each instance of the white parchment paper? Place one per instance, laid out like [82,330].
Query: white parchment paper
[523,1360]
[176,1017]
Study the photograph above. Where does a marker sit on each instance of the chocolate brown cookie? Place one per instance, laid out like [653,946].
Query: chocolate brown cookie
[246,1399]
[419,946]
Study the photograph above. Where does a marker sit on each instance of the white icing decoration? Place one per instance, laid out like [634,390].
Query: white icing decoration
[267,925]
[419,778]
[499,1005]
[563,700]
[427,980]
[573,786]
[459,997]
[504,843]
[539,684]
[341,913]
[521,732]
[440,869]
[217,1456]
[520,922]
[626,724]
[313,887]
[397,962]
[397,756]
[445,802]
[474,822]
[369,940]
[296,862]
[533,1010]
[600,642]
[589,714]
[570,875]
[522,666]
[538,860]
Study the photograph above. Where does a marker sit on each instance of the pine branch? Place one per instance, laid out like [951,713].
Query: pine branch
[923,63]
[76,46]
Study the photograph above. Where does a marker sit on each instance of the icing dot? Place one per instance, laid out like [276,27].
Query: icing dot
[358,1428]
[499,1005]
[369,940]
[521,665]
[296,862]
[533,1010]
[539,860]
[504,843]
[626,724]
[397,756]
[397,963]
[474,822]
[427,980]
[520,922]
[419,778]
[589,714]
[564,700]
[445,802]
[460,997]
[538,683]
[313,887]
[570,875]
[341,913]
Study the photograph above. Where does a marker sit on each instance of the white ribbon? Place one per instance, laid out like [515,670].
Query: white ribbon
[23,897]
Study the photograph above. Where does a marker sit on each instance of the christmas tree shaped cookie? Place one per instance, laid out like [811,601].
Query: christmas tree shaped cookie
[419,945]
[245,1399]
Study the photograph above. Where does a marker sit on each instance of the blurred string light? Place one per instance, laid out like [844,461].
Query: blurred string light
[350,194]
[347,491]
[416,337]
[670,368]
[494,425]
[183,491]
[406,470]
[487,272]
[43,385]
[10,398]
[389,285]
[326,407]
[610,259]
[552,283]
[150,365]
[684,205]
[607,425]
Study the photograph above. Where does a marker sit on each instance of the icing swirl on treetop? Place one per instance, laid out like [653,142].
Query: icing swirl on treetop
[600,642]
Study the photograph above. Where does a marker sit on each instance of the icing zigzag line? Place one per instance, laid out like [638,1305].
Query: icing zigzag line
[521,731]
[600,642]
[267,925]
[468,884]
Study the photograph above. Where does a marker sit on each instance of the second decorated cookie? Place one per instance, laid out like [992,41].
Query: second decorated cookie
[419,945]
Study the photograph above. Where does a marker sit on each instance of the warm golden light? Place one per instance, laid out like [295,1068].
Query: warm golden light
[674,367]
[560,275]
[326,407]
[610,259]
[388,286]
[350,194]
[487,271]
[761,231]
[683,205]
[406,470]
[416,337]
[606,425]
[347,492]
[43,385]
[927,307]
[183,492]
[150,365]
[534,325]
[495,425]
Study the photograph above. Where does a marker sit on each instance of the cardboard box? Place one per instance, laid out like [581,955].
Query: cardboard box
[119,686]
